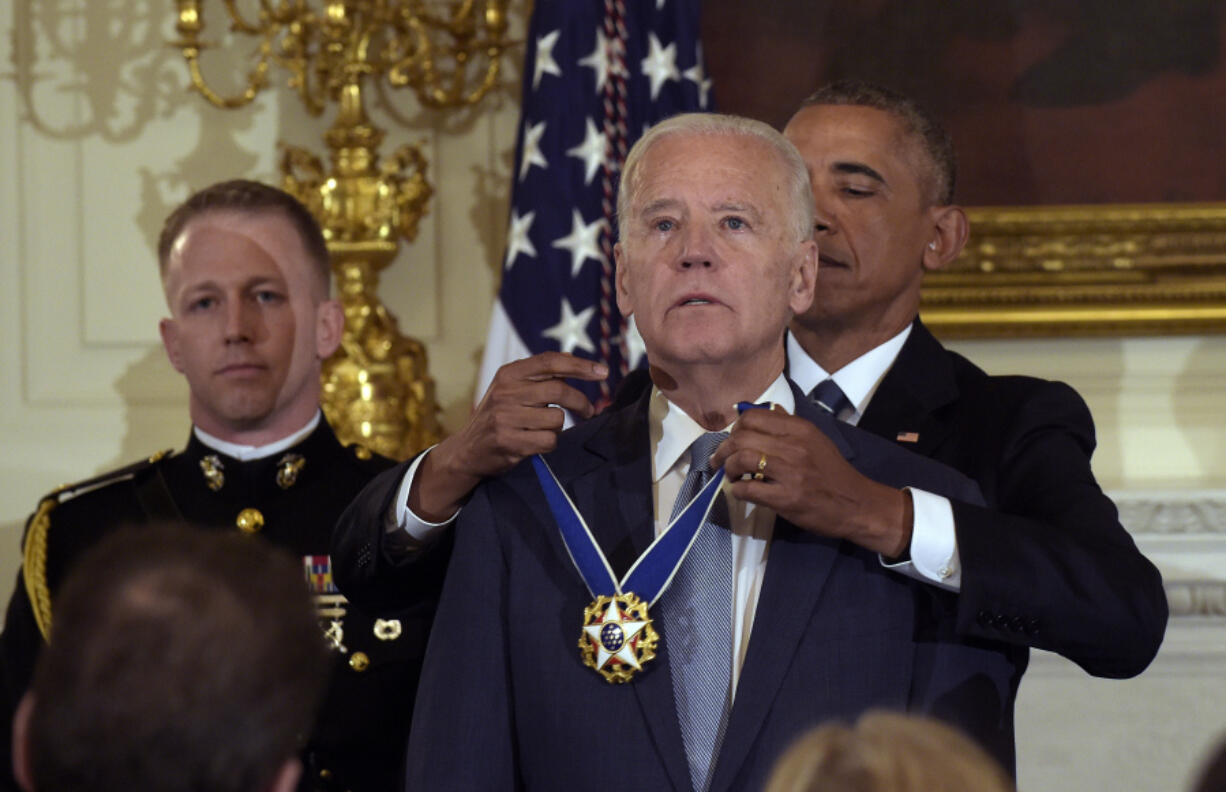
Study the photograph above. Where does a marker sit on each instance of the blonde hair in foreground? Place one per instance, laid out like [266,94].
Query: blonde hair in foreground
[887,752]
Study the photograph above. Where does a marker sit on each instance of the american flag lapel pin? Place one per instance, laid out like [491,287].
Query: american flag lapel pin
[908,437]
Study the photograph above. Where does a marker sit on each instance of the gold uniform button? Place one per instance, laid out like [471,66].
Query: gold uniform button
[361,452]
[249,521]
[359,662]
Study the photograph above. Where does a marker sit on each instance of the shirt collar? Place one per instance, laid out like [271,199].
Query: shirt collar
[673,432]
[246,453]
[858,379]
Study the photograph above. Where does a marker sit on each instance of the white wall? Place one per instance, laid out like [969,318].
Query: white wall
[99,138]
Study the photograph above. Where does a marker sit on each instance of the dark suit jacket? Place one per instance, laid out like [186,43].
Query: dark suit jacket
[1047,564]
[505,702]
[358,742]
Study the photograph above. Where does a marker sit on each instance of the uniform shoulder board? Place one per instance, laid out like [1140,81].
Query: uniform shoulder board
[68,491]
[34,551]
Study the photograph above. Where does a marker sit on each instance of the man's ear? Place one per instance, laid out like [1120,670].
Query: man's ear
[169,330]
[951,229]
[624,303]
[804,279]
[329,325]
[21,742]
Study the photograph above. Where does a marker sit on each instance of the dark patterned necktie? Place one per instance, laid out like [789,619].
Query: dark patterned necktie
[830,397]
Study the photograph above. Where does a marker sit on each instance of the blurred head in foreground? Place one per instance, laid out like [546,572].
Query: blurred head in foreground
[887,752]
[178,660]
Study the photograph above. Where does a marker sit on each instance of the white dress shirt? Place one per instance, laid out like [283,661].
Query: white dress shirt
[934,544]
[246,453]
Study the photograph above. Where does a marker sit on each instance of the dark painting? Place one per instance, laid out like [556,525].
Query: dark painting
[1048,101]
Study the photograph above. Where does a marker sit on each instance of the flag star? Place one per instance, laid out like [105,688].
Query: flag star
[532,149]
[592,151]
[598,60]
[518,241]
[583,241]
[571,330]
[635,348]
[698,76]
[660,64]
[545,64]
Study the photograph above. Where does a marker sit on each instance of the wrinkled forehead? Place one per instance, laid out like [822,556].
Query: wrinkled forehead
[715,168]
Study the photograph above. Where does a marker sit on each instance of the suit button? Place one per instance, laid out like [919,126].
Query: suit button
[984,618]
[1017,624]
[1032,626]
[1000,620]
[359,662]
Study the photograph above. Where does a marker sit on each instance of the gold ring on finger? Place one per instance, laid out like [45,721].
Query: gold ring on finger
[761,474]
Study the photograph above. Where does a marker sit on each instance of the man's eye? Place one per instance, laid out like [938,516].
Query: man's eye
[664,225]
[857,192]
[268,297]
[735,223]
[202,304]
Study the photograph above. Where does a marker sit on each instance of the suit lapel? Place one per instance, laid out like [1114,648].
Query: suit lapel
[798,566]
[611,486]
[920,382]
[610,481]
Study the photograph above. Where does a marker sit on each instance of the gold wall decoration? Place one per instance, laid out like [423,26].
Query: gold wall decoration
[376,388]
[1084,270]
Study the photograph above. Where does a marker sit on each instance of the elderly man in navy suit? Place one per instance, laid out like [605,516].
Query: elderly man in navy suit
[778,616]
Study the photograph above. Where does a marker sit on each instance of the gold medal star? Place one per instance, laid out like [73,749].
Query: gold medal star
[613,636]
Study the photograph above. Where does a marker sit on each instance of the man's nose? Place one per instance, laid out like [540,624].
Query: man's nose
[823,224]
[823,217]
[239,319]
[697,251]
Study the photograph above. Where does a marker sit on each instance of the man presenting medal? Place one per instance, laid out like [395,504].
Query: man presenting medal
[612,613]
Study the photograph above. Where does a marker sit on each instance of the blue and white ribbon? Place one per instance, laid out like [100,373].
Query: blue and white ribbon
[655,568]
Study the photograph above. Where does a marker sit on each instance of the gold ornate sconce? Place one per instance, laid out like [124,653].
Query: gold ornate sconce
[376,389]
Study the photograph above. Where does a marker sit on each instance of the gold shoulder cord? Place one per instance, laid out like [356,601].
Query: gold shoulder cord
[34,554]
[34,563]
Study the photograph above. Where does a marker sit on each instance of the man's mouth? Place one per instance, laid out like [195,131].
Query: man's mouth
[696,299]
[827,261]
[240,369]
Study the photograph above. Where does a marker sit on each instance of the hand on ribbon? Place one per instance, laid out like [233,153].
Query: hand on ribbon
[519,415]
[805,480]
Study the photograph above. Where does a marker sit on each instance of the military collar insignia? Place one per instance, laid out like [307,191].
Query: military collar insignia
[213,470]
[288,468]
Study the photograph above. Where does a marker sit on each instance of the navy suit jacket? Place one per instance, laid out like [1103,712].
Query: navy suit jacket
[505,702]
[1047,564]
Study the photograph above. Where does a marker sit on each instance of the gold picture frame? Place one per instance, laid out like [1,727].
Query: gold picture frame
[1115,269]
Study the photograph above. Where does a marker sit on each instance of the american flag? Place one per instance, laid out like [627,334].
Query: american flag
[598,74]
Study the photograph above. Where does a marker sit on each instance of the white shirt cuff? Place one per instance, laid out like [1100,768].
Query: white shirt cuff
[402,518]
[934,544]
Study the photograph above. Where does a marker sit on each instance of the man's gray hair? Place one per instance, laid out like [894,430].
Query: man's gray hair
[718,125]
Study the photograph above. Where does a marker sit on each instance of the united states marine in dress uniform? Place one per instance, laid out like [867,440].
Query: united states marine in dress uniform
[290,497]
